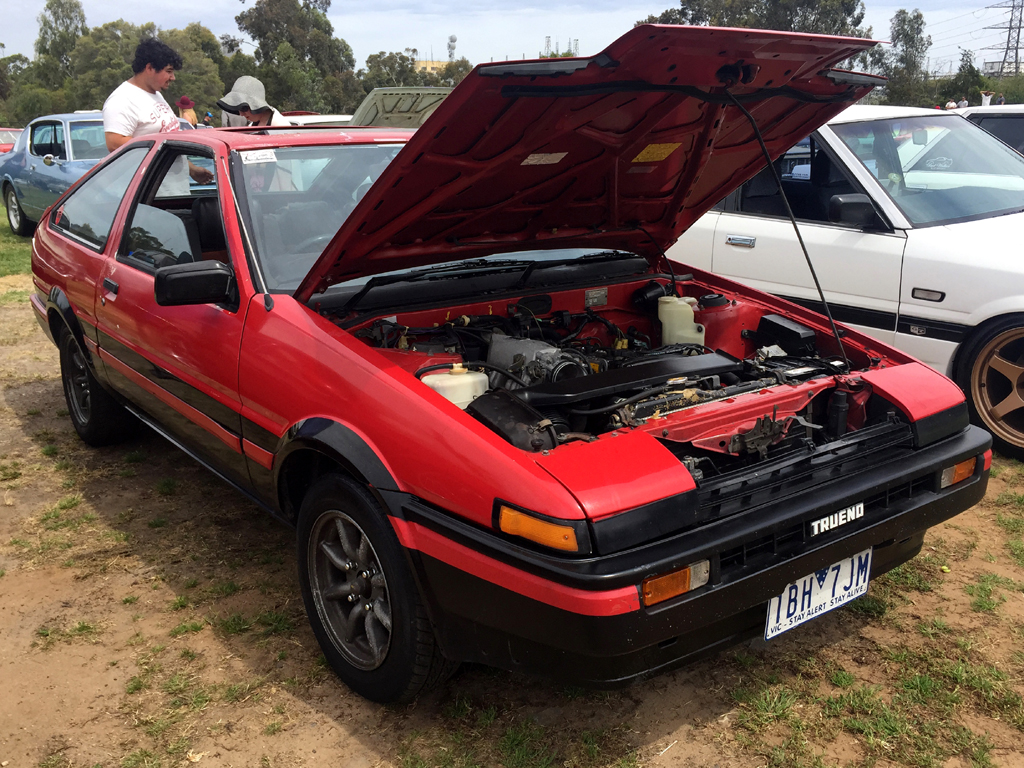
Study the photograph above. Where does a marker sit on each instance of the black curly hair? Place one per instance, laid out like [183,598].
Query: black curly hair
[157,53]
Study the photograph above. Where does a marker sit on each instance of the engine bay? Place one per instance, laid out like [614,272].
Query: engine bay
[549,369]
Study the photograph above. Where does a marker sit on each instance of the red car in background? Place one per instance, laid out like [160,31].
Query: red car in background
[504,426]
[8,137]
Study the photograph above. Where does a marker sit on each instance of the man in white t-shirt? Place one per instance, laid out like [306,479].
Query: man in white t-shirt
[136,108]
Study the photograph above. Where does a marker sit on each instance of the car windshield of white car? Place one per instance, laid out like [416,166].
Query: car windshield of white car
[298,198]
[939,169]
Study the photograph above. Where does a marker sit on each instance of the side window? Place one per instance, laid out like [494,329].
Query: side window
[1009,130]
[177,219]
[48,139]
[809,177]
[90,210]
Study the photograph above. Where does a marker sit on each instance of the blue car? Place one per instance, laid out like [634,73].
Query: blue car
[51,154]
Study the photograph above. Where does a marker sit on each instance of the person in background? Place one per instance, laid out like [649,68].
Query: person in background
[986,97]
[950,104]
[208,120]
[1000,100]
[248,99]
[963,102]
[186,110]
[136,107]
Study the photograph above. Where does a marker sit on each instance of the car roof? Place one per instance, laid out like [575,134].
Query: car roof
[69,116]
[997,109]
[239,139]
[859,112]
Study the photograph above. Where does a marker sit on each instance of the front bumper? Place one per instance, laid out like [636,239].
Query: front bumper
[581,620]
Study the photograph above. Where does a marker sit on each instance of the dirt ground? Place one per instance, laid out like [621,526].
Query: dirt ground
[150,616]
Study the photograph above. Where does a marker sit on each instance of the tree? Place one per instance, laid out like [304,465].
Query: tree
[904,62]
[966,82]
[304,26]
[199,77]
[102,60]
[388,70]
[831,17]
[61,24]
[454,72]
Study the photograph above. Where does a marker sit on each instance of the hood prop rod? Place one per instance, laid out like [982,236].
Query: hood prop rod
[796,228]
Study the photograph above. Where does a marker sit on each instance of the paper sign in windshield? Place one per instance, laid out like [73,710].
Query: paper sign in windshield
[255,156]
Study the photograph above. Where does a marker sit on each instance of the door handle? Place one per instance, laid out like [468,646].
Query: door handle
[741,241]
[110,285]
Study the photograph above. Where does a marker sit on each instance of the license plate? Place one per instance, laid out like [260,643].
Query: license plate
[818,593]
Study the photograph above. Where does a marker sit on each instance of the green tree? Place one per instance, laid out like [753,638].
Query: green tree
[967,81]
[304,26]
[343,92]
[102,60]
[199,77]
[11,69]
[390,70]
[904,62]
[455,72]
[832,17]
[61,24]
[292,83]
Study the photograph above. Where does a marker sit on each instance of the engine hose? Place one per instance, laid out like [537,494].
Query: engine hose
[486,366]
[628,401]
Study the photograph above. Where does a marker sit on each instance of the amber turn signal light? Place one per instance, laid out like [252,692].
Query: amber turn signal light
[517,523]
[658,589]
[958,472]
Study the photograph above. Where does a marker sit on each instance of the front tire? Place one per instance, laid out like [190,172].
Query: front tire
[361,597]
[16,219]
[991,373]
[96,416]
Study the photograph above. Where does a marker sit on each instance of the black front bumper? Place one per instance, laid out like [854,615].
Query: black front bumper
[478,620]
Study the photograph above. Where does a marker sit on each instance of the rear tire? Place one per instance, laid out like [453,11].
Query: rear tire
[96,416]
[16,219]
[361,597]
[990,371]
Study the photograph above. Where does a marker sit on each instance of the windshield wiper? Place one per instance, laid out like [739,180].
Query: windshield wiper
[435,273]
[587,258]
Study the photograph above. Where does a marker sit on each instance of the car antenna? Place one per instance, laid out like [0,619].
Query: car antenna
[792,218]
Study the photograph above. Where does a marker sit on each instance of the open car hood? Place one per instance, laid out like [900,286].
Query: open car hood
[622,150]
[399,107]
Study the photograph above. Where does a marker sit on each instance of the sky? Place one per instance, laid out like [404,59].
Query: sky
[489,30]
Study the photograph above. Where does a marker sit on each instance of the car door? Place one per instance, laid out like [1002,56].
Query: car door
[178,364]
[754,242]
[41,184]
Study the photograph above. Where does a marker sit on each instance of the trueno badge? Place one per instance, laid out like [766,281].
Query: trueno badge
[842,517]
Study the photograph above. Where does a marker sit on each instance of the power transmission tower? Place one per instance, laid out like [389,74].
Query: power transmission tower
[1011,51]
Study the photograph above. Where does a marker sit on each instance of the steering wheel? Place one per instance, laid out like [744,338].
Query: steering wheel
[316,242]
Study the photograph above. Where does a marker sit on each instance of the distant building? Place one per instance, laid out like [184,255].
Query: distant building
[991,68]
[433,67]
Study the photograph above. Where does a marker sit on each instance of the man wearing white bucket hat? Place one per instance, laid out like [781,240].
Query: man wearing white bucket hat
[248,99]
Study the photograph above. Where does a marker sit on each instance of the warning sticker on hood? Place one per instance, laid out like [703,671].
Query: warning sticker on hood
[654,153]
[541,158]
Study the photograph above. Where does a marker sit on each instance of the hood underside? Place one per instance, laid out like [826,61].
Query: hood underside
[622,150]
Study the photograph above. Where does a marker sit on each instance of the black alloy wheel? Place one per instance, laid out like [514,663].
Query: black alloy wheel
[361,597]
[16,219]
[990,370]
[96,416]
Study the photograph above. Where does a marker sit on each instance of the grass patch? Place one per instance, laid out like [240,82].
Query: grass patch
[130,599]
[225,588]
[49,450]
[167,487]
[272,728]
[10,471]
[235,624]
[15,254]
[134,457]
[140,758]
[986,596]
[157,522]
[187,627]
[274,622]
[522,746]
[179,603]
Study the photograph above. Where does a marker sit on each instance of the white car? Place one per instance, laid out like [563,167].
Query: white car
[1004,121]
[914,220]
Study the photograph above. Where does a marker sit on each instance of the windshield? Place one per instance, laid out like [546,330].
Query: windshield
[939,169]
[298,198]
[8,137]
[88,141]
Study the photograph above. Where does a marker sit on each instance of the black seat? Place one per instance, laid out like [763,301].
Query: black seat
[827,180]
[761,194]
[206,215]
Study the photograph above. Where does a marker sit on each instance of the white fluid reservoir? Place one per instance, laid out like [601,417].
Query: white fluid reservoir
[677,323]
[459,385]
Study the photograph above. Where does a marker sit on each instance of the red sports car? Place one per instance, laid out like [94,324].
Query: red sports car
[504,426]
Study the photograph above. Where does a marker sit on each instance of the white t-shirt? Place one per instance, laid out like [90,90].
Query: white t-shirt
[131,111]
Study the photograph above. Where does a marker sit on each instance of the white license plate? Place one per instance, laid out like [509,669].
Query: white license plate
[818,593]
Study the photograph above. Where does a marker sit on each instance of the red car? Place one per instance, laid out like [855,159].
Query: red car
[8,138]
[505,427]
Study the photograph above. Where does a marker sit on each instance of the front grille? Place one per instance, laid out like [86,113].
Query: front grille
[791,541]
[802,468]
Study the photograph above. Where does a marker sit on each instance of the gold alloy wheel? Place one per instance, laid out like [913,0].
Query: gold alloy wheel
[997,386]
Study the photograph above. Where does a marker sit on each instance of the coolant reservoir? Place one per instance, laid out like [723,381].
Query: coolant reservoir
[459,385]
[677,323]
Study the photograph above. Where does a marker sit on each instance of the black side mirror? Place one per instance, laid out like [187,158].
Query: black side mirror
[855,209]
[199,282]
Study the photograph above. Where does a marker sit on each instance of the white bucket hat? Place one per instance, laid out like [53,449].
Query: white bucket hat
[247,93]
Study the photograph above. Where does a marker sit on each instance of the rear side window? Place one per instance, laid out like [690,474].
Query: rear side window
[48,139]
[89,212]
[88,141]
[1009,130]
